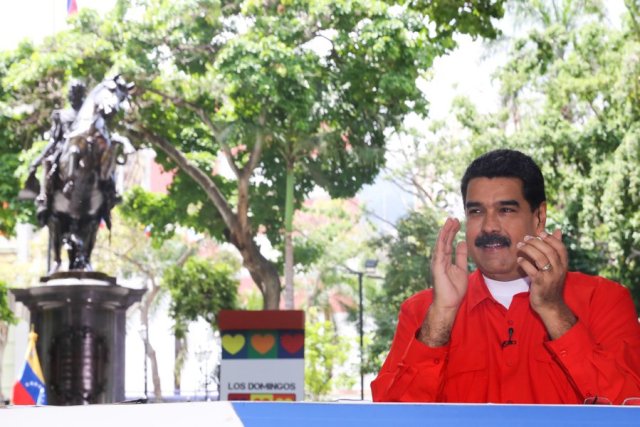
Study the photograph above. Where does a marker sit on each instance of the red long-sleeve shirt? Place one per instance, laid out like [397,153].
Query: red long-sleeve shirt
[598,356]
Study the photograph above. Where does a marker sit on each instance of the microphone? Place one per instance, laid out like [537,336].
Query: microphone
[509,341]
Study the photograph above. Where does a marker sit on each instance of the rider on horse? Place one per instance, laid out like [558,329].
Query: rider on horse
[61,122]
[78,188]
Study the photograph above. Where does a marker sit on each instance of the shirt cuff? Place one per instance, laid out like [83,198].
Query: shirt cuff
[418,353]
[573,345]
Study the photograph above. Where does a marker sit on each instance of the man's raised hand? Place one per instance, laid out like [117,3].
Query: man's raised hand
[449,278]
[450,281]
[545,260]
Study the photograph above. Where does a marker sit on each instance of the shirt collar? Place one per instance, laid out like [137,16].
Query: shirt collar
[477,291]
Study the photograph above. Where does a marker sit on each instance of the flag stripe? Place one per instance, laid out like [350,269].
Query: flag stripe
[21,396]
[32,384]
[72,7]
[34,364]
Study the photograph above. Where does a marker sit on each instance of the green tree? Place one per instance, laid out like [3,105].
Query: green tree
[324,352]
[200,289]
[6,319]
[329,233]
[408,271]
[312,88]
[572,101]
[129,253]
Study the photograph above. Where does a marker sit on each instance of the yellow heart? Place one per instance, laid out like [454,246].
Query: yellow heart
[233,343]
[262,396]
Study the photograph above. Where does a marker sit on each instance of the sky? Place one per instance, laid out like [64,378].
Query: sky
[36,19]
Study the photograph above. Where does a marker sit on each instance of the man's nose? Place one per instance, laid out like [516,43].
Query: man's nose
[491,223]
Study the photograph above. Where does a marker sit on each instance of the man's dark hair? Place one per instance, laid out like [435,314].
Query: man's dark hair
[505,163]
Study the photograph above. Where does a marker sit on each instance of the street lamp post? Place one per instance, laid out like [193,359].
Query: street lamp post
[369,265]
[203,356]
[361,331]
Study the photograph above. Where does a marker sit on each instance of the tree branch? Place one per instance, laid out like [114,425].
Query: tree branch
[137,264]
[633,12]
[373,214]
[256,153]
[245,176]
[206,183]
[219,134]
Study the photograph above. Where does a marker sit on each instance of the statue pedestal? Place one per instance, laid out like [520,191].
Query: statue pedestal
[80,319]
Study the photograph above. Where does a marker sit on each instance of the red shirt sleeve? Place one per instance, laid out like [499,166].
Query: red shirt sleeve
[601,353]
[412,372]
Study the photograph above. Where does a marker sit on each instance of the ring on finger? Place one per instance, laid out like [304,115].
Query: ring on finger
[547,267]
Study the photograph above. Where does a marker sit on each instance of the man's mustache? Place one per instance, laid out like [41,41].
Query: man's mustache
[492,239]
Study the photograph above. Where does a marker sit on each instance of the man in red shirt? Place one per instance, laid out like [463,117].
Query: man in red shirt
[521,328]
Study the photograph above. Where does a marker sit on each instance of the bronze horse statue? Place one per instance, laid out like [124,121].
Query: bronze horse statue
[79,190]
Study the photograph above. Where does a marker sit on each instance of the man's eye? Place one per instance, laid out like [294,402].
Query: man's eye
[507,210]
[473,211]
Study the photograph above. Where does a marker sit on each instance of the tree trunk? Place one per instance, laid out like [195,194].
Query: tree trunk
[180,352]
[239,233]
[288,240]
[4,334]
[150,353]
[272,291]
[155,375]
[262,271]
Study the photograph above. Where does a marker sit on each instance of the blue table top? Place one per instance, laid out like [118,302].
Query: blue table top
[266,414]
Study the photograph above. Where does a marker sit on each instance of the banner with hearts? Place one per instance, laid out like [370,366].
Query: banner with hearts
[262,355]
[286,344]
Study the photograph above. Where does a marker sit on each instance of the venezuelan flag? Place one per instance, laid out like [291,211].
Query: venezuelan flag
[72,7]
[30,388]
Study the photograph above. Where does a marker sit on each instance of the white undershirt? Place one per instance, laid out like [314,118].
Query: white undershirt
[503,292]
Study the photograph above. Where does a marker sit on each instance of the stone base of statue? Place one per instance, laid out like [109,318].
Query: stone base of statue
[80,319]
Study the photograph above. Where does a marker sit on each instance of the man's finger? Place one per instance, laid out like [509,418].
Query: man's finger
[528,267]
[555,240]
[454,226]
[437,250]
[540,251]
[443,242]
[461,255]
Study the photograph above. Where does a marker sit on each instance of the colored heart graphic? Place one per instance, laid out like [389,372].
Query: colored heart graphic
[292,343]
[262,343]
[233,343]
[262,397]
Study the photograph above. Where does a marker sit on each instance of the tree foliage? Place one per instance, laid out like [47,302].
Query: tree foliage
[249,85]
[200,289]
[6,314]
[128,253]
[570,92]
[329,234]
[7,318]
[408,271]
[324,352]
[572,101]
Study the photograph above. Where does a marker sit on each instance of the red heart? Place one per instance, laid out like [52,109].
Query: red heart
[292,343]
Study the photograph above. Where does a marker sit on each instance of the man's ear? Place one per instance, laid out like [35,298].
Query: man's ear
[541,217]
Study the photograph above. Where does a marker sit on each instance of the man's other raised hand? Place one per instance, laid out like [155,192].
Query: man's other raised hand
[450,281]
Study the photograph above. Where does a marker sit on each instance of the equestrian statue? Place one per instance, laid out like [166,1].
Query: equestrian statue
[77,189]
